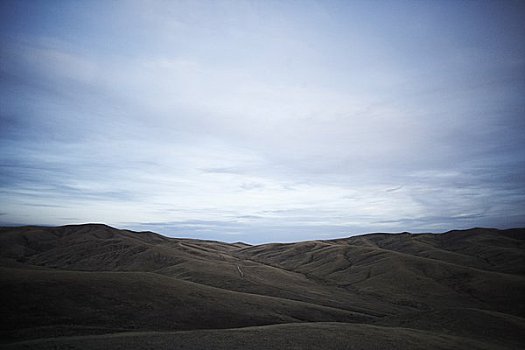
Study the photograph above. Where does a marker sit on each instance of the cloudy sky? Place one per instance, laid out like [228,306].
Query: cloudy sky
[263,121]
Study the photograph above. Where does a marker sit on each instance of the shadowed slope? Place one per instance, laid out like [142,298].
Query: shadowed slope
[109,301]
[94,279]
[302,336]
[418,271]
[101,248]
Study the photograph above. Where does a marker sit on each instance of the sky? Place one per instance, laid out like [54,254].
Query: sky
[263,121]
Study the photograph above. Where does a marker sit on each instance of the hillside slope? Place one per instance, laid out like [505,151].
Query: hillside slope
[459,287]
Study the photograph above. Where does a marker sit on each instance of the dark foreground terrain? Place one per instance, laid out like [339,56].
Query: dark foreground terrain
[96,287]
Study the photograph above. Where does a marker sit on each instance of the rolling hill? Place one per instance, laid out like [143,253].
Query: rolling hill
[93,286]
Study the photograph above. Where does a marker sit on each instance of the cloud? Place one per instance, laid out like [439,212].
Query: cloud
[271,120]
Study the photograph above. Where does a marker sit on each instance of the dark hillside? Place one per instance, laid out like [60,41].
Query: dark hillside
[460,288]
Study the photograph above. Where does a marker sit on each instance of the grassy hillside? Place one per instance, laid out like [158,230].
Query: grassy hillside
[84,285]
[299,336]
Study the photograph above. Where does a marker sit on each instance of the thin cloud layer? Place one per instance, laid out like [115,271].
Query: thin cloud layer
[263,121]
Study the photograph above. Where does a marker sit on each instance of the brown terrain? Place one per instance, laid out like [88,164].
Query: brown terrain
[96,287]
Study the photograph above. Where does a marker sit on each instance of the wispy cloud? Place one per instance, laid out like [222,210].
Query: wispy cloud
[271,121]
